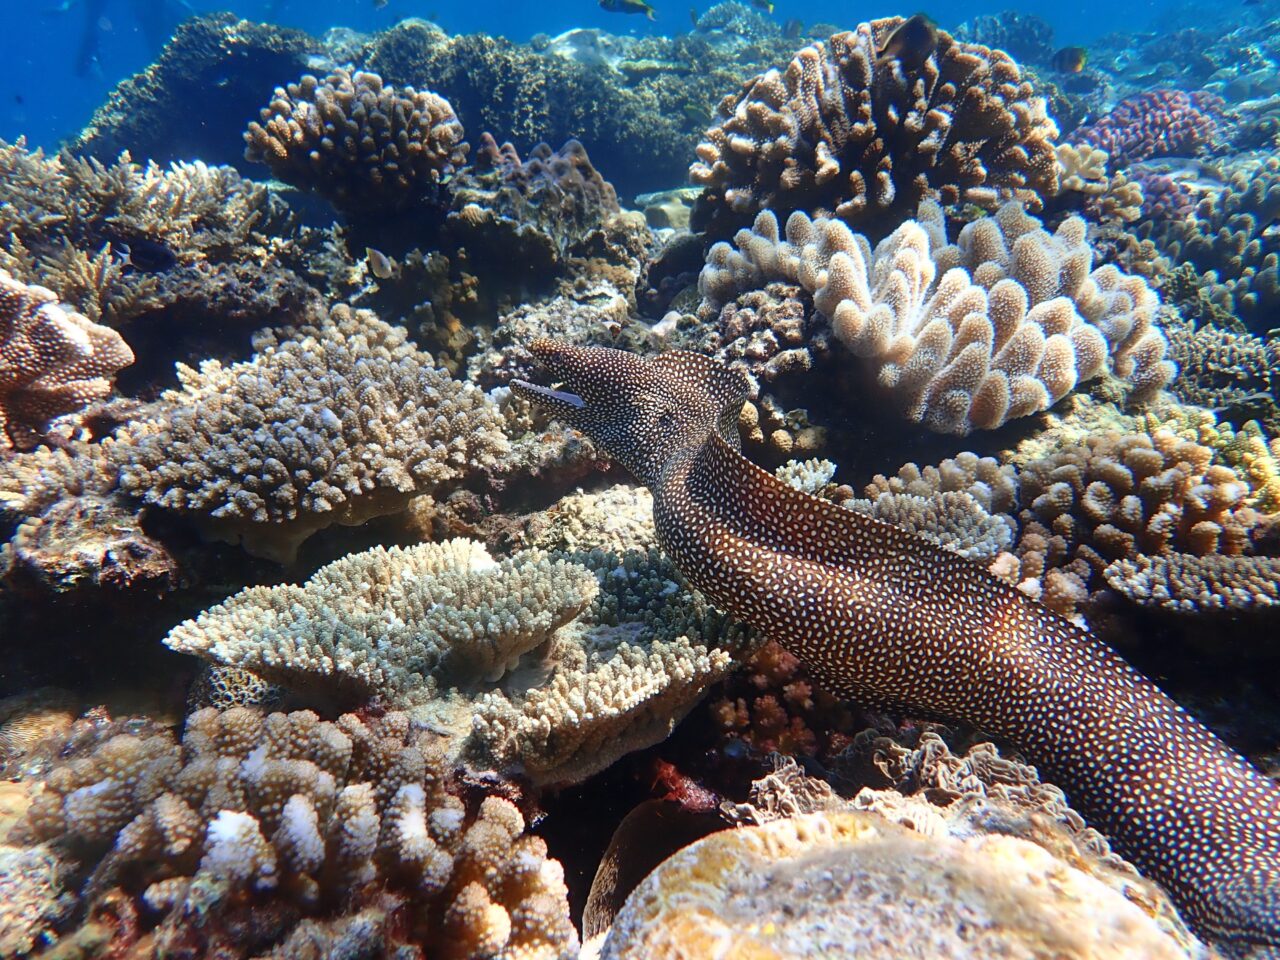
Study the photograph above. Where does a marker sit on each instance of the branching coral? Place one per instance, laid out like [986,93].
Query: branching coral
[1158,123]
[119,240]
[333,423]
[1186,583]
[365,146]
[1229,238]
[429,617]
[441,630]
[52,361]
[868,136]
[290,817]
[965,336]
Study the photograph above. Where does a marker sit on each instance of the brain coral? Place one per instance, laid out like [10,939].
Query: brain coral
[333,423]
[558,666]
[290,817]
[968,336]
[867,136]
[846,884]
[52,361]
[363,145]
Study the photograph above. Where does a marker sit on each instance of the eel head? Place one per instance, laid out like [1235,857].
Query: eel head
[643,411]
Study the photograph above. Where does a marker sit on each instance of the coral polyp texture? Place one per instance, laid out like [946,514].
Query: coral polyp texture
[291,821]
[336,422]
[847,884]
[557,665]
[53,361]
[430,616]
[866,135]
[1001,325]
[363,145]
[1157,123]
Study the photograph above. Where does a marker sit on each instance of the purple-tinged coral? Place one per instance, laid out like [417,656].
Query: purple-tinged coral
[53,361]
[864,136]
[1158,123]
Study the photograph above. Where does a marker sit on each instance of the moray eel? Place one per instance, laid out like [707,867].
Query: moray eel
[880,615]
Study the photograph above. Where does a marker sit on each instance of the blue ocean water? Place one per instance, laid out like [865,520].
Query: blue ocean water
[47,98]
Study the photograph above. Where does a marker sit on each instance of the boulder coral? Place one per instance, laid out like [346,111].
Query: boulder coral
[53,361]
[851,884]
[865,136]
[1003,324]
[366,146]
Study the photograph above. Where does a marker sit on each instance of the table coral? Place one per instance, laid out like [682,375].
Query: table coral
[968,336]
[557,665]
[1186,583]
[332,423]
[848,884]
[1157,123]
[365,146]
[430,617]
[53,361]
[870,137]
[286,817]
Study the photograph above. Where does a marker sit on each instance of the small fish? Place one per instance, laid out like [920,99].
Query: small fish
[765,5]
[912,43]
[1069,59]
[19,99]
[629,6]
[144,254]
[793,29]
[379,4]
[693,17]
[380,265]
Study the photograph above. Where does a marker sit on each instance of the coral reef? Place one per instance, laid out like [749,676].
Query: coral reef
[431,617]
[197,245]
[332,423]
[442,630]
[869,137]
[967,336]
[290,818]
[1023,36]
[850,884]
[52,361]
[365,146]
[536,213]
[217,63]
[1227,235]
[1158,123]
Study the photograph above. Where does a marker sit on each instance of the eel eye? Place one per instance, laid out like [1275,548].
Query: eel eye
[667,420]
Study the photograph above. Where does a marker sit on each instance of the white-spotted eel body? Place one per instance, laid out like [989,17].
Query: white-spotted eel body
[881,615]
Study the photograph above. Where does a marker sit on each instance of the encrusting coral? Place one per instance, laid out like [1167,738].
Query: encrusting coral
[866,136]
[967,336]
[287,817]
[53,361]
[332,423]
[555,665]
[365,146]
